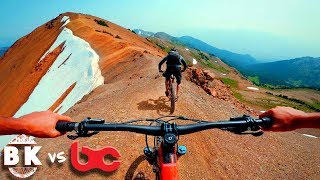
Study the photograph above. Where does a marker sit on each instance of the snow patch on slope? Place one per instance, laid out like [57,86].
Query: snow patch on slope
[65,21]
[81,67]
[311,136]
[253,88]
[194,61]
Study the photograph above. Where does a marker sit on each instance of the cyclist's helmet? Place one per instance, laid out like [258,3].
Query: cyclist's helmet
[173,49]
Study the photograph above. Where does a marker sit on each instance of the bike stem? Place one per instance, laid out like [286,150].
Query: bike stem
[169,133]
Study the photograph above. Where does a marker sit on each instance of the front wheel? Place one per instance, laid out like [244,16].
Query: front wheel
[157,175]
[172,99]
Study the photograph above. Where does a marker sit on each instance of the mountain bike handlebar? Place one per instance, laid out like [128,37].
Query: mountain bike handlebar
[236,125]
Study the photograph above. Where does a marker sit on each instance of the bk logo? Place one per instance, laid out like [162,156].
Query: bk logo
[95,158]
[29,163]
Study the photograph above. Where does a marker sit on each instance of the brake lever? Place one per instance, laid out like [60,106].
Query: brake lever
[82,132]
[73,137]
[256,134]
[243,132]
[252,129]
[90,120]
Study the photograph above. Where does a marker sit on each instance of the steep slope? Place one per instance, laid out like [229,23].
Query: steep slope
[29,59]
[58,70]
[133,88]
[298,72]
[19,69]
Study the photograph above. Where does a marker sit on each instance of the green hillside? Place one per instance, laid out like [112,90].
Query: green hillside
[299,72]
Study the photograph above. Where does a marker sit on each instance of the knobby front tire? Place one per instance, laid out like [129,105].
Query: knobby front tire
[172,99]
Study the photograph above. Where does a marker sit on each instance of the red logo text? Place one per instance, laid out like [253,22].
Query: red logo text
[95,158]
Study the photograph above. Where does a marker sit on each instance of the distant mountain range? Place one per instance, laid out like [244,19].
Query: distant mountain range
[3,50]
[143,33]
[233,59]
[298,72]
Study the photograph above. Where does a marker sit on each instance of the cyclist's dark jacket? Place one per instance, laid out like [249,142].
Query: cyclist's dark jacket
[174,61]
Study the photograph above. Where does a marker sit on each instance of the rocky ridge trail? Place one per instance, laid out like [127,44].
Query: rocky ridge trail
[134,89]
[211,154]
[214,87]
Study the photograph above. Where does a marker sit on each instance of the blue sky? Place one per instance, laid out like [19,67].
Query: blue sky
[266,29]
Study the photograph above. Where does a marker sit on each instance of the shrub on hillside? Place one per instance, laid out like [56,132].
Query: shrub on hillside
[203,56]
[107,33]
[102,23]
[313,107]
[212,55]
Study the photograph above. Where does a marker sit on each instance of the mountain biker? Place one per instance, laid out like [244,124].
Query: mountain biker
[38,124]
[174,61]
[289,119]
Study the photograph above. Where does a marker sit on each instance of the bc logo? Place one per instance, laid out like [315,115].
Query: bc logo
[95,158]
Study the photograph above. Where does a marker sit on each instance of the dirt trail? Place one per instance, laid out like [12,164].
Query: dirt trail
[211,154]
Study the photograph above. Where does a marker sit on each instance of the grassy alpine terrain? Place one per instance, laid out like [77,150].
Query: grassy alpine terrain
[303,72]
[298,72]
[268,96]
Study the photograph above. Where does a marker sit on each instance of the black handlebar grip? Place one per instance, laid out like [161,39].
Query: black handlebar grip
[267,122]
[63,126]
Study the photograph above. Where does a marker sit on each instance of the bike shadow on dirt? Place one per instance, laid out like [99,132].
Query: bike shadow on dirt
[133,167]
[155,104]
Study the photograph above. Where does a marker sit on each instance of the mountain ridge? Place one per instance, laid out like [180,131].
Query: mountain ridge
[250,67]
[297,72]
[234,59]
[3,50]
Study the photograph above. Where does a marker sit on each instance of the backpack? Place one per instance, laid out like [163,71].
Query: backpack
[173,58]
